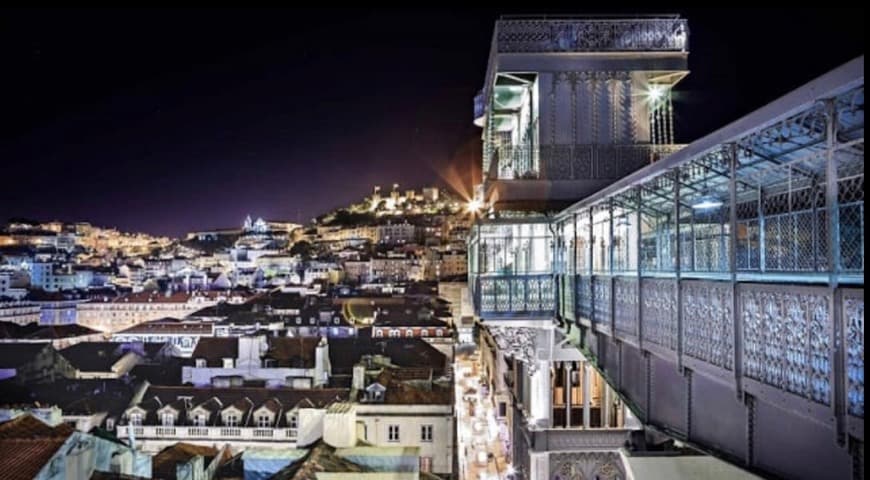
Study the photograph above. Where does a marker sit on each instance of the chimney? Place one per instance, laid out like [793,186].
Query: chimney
[359,377]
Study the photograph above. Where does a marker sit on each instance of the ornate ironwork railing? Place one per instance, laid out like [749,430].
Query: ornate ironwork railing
[516,294]
[576,162]
[592,35]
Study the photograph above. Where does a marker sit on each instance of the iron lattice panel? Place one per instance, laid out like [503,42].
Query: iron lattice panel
[625,305]
[587,35]
[502,295]
[708,322]
[853,316]
[584,297]
[787,339]
[601,293]
[660,312]
[518,297]
[487,295]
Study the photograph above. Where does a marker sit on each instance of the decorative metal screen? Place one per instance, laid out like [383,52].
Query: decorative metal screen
[660,312]
[787,338]
[708,322]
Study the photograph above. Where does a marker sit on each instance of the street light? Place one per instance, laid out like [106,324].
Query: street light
[474,205]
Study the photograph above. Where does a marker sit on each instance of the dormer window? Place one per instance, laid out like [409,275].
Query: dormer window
[200,363]
[136,419]
[167,419]
[294,421]
[264,420]
[229,362]
[231,420]
[199,420]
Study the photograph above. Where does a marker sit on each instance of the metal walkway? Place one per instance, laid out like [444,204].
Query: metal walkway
[721,290]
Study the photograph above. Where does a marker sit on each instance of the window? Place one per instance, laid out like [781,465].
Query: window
[294,421]
[229,362]
[409,333]
[393,433]
[231,420]
[200,363]
[110,424]
[502,409]
[264,421]
[167,419]
[136,419]
[426,464]
[426,433]
[199,420]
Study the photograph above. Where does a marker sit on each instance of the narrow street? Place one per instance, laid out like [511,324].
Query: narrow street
[481,455]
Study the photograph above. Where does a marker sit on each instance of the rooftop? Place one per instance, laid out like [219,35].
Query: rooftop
[215,349]
[93,356]
[27,445]
[170,326]
[163,464]
[344,353]
[17,354]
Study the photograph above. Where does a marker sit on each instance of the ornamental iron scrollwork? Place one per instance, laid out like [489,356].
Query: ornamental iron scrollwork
[708,322]
[584,297]
[591,465]
[853,316]
[660,312]
[601,293]
[517,342]
[787,339]
[625,296]
[588,35]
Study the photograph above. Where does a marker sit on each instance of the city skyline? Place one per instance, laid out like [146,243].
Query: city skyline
[226,113]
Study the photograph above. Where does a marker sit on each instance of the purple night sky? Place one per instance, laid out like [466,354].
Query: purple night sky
[171,120]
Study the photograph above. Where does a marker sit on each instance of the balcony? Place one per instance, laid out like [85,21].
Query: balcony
[579,439]
[209,433]
[565,173]
[542,35]
[515,295]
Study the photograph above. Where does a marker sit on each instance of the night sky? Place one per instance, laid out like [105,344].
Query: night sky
[174,120]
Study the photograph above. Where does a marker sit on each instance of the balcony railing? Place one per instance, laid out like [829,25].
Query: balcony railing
[575,162]
[515,294]
[575,439]
[539,35]
[211,433]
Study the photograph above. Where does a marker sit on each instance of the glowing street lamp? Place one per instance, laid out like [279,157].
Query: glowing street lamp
[474,205]
[655,93]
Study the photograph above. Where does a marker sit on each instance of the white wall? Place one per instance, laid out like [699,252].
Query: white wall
[411,418]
